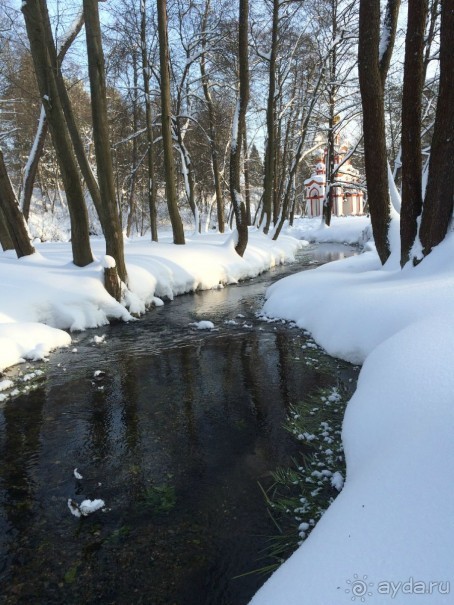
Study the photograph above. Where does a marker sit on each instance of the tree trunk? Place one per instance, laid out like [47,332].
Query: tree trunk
[270,151]
[296,160]
[188,177]
[41,134]
[212,126]
[112,226]
[44,58]
[151,184]
[13,228]
[438,203]
[372,97]
[247,189]
[289,138]
[411,127]
[332,92]
[329,176]
[6,241]
[431,33]
[276,170]
[166,121]
[31,167]
[134,159]
[239,124]
[389,27]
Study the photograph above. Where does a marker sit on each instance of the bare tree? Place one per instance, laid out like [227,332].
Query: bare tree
[6,241]
[211,117]
[111,219]
[270,149]
[373,53]
[146,74]
[37,149]
[411,126]
[166,121]
[238,128]
[438,202]
[46,66]
[339,89]
[13,229]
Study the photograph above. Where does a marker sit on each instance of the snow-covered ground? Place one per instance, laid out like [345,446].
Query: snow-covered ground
[388,536]
[343,230]
[44,294]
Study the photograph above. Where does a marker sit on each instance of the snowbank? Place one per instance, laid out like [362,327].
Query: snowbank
[44,294]
[344,229]
[388,536]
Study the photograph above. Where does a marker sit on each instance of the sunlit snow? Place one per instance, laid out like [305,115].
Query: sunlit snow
[392,521]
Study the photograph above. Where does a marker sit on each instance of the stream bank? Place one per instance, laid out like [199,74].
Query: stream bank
[173,428]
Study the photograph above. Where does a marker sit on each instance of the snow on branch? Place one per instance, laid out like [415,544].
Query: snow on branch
[72,33]
[130,137]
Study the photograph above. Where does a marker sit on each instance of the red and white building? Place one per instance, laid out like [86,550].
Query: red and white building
[347,198]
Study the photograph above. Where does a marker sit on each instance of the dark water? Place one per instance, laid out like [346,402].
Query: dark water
[175,437]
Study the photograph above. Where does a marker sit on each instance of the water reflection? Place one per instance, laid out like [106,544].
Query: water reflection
[174,437]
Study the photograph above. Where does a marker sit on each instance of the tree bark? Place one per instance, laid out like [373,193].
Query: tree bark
[270,151]
[13,228]
[79,149]
[188,175]
[41,134]
[372,97]
[329,176]
[6,241]
[275,202]
[134,158]
[146,74]
[332,92]
[239,125]
[166,121]
[41,43]
[112,226]
[390,27]
[212,126]
[297,158]
[247,188]
[438,203]
[411,127]
[32,167]
[431,32]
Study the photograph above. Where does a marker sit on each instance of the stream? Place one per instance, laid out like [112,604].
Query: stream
[176,429]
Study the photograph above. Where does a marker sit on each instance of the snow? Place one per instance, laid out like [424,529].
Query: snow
[203,325]
[390,530]
[85,508]
[348,230]
[90,506]
[108,262]
[337,481]
[6,384]
[384,40]
[77,475]
[44,294]
[33,150]
[98,340]
[21,340]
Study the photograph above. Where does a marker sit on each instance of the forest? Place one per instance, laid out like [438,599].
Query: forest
[211,114]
